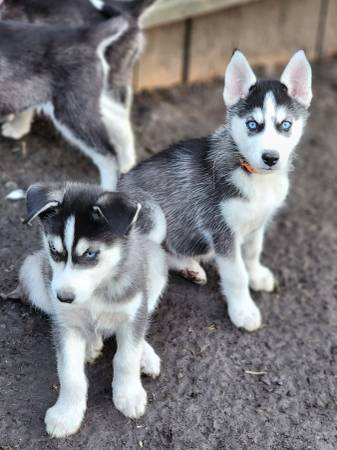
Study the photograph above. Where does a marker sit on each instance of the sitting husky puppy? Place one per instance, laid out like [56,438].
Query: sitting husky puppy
[79,76]
[220,192]
[101,272]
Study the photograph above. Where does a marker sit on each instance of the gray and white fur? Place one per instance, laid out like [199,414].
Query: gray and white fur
[74,62]
[219,193]
[99,272]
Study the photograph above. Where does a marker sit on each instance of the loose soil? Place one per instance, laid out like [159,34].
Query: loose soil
[205,398]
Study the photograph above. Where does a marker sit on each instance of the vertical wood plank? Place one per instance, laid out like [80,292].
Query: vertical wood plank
[268,32]
[330,34]
[161,64]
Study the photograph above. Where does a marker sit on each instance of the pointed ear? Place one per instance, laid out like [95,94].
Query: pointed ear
[297,77]
[118,210]
[239,78]
[38,201]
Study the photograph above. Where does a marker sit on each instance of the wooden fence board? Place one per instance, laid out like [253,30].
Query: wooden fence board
[161,64]
[166,11]
[330,33]
[268,31]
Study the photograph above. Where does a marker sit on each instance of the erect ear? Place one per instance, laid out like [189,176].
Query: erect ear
[239,77]
[297,77]
[118,210]
[39,201]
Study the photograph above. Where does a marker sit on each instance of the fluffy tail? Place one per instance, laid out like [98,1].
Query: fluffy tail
[133,8]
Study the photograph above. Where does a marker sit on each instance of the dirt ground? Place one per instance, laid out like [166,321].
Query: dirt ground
[204,398]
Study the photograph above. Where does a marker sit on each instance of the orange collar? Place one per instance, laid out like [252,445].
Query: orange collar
[247,167]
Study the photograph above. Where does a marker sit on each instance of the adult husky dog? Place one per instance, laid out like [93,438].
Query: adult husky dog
[220,192]
[100,272]
[69,61]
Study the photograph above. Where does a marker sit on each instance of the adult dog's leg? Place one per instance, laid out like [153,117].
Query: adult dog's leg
[65,417]
[18,126]
[188,268]
[260,277]
[129,396]
[86,131]
[116,118]
[234,281]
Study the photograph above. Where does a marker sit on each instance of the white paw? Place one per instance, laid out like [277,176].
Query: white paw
[92,355]
[126,164]
[94,351]
[61,422]
[245,315]
[195,273]
[262,279]
[150,362]
[130,400]
[13,131]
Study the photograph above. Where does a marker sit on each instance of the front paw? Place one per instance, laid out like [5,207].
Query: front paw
[262,279]
[61,421]
[245,315]
[130,400]
[94,351]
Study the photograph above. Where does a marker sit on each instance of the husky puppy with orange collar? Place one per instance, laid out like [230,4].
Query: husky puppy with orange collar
[219,193]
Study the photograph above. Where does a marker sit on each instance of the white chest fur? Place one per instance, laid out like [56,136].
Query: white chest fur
[263,195]
[103,317]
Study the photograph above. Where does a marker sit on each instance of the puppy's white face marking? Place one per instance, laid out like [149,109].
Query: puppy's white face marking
[268,135]
[69,234]
[82,280]
[79,269]
[82,246]
[56,243]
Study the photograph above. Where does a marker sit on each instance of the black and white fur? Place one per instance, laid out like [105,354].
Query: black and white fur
[69,61]
[215,209]
[100,271]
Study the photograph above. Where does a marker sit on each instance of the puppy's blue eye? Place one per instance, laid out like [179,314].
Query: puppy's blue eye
[91,254]
[251,125]
[286,125]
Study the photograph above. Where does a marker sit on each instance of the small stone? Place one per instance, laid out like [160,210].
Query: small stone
[17,194]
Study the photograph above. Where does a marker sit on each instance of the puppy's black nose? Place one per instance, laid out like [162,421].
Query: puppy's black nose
[270,158]
[65,297]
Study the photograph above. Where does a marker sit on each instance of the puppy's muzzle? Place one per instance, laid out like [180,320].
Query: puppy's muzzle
[65,296]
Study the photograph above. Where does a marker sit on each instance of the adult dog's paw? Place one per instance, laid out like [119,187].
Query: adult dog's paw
[262,279]
[61,422]
[130,400]
[245,315]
